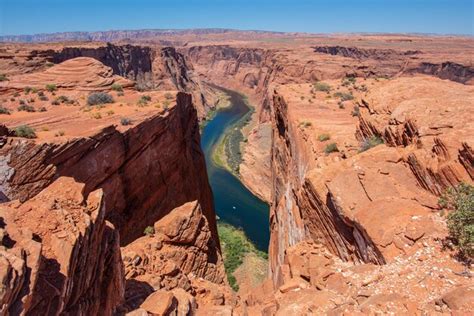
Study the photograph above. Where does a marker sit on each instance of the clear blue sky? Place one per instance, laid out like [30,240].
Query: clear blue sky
[318,16]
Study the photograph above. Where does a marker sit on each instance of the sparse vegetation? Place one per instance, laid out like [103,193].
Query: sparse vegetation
[169,96]
[42,109]
[235,245]
[324,137]
[117,87]
[49,64]
[26,108]
[356,111]
[305,124]
[370,143]
[99,98]
[43,98]
[460,201]
[125,121]
[331,148]
[110,112]
[97,115]
[51,87]
[321,86]
[25,131]
[3,77]
[27,90]
[143,101]
[166,104]
[149,230]
[344,96]
[59,133]
[4,110]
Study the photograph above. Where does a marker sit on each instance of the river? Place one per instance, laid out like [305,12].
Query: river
[234,203]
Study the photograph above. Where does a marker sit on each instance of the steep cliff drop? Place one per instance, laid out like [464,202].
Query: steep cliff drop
[80,178]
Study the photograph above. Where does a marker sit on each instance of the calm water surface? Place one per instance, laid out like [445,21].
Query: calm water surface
[234,203]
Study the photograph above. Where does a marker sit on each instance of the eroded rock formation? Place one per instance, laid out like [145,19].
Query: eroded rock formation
[59,254]
[145,171]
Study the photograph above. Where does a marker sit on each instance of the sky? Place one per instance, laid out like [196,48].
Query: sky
[314,16]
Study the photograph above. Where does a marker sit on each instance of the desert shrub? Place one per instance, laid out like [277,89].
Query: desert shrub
[51,87]
[40,93]
[49,64]
[341,105]
[16,94]
[331,148]
[4,110]
[125,121]
[22,102]
[120,94]
[324,137]
[3,77]
[99,98]
[34,90]
[117,87]
[60,133]
[42,109]
[55,102]
[27,90]
[169,96]
[321,86]
[344,96]
[166,104]
[25,131]
[356,111]
[26,108]
[370,143]
[305,124]
[460,200]
[97,115]
[149,230]
[43,98]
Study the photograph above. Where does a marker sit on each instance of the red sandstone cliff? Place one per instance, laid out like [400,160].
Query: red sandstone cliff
[144,172]
[59,254]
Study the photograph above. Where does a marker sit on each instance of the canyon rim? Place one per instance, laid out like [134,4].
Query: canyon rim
[213,171]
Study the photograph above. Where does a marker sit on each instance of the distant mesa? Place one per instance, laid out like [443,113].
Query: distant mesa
[81,73]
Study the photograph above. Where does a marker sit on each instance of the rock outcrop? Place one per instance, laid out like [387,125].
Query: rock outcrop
[177,255]
[80,74]
[59,255]
[145,172]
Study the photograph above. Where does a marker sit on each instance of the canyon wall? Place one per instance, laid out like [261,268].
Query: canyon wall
[145,172]
[59,255]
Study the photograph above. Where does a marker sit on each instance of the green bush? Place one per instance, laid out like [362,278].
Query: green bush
[460,200]
[4,110]
[25,131]
[370,142]
[345,96]
[3,77]
[26,108]
[27,90]
[99,98]
[149,230]
[117,87]
[330,148]
[324,137]
[321,86]
[51,87]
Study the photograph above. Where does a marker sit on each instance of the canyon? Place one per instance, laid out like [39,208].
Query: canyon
[108,208]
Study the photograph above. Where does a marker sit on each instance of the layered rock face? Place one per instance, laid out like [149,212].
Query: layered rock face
[59,254]
[82,74]
[151,67]
[145,172]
